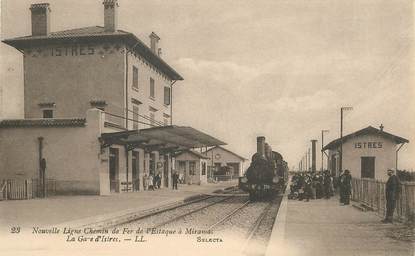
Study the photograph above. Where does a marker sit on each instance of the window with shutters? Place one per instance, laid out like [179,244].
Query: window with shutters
[152,117]
[152,89]
[135,117]
[192,168]
[166,119]
[47,113]
[152,113]
[203,168]
[135,78]
[166,96]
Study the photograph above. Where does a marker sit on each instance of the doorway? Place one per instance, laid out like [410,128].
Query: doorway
[136,171]
[152,164]
[114,169]
[368,167]
[235,167]
[166,171]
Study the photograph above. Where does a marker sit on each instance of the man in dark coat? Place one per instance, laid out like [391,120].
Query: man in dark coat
[340,187]
[308,192]
[327,184]
[346,186]
[175,179]
[392,194]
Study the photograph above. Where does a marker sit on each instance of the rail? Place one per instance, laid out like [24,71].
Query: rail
[189,213]
[253,230]
[152,213]
[229,215]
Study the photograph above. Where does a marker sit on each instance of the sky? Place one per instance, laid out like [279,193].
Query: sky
[277,68]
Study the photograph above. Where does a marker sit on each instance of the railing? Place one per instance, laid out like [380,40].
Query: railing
[26,189]
[224,177]
[3,191]
[17,189]
[372,194]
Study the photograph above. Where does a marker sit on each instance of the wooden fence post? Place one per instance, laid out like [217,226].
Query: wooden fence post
[25,189]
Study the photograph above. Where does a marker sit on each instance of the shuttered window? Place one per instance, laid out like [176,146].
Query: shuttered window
[166,96]
[135,117]
[152,89]
[135,77]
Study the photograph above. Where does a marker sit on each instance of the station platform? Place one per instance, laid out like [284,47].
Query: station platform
[74,211]
[324,227]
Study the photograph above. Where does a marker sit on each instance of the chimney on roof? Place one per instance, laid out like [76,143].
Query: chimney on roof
[110,15]
[40,19]
[154,40]
[381,127]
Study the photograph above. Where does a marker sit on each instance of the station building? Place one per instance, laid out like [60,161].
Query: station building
[97,109]
[192,167]
[220,156]
[367,153]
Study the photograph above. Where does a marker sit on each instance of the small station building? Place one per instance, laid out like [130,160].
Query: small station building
[192,167]
[220,156]
[366,153]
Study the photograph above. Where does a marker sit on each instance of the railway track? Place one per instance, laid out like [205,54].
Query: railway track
[258,235]
[205,217]
[251,224]
[175,213]
[229,217]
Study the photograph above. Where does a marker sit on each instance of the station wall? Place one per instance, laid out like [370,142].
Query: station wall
[72,154]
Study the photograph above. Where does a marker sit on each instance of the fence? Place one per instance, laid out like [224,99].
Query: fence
[225,177]
[372,194]
[25,189]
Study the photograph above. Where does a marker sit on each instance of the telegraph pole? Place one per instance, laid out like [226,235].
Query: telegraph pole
[313,155]
[341,136]
[322,145]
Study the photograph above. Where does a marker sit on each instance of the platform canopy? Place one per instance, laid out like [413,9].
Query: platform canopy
[168,138]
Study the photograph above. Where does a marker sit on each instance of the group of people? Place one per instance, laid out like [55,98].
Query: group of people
[151,182]
[311,185]
[316,185]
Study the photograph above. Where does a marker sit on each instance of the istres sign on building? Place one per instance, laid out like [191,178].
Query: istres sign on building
[368,145]
[73,50]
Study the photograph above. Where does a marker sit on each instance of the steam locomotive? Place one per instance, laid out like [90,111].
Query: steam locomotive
[267,173]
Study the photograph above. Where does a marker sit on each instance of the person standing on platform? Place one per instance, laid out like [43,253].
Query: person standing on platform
[392,194]
[151,182]
[327,184]
[340,186]
[175,180]
[346,186]
[145,181]
[157,180]
[308,192]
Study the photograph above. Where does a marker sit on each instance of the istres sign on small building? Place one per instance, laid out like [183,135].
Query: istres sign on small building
[367,153]
[378,144]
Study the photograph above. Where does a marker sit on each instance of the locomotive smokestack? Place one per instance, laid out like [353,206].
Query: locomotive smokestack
[268,151]
[313,155]
[260,145]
